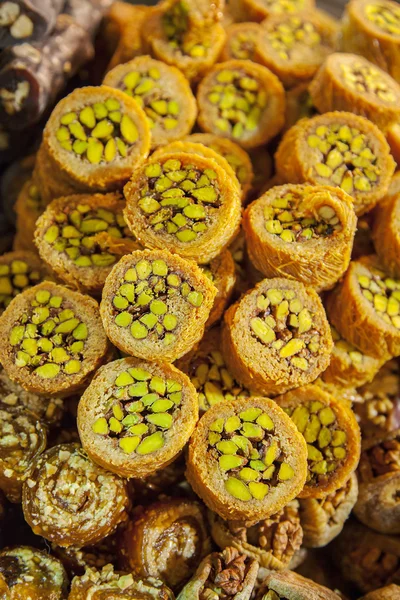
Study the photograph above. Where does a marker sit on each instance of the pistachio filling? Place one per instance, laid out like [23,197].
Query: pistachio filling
[249,454]
[99,133]
[139,410]
[287,217]
[233,161]
[20,440]
[213,382]
[345,157]
[49,340]
[377,565]
[366,79]
[356,357]
[77,232]
[147,88]
[326,441]
[179,200]
[384,16]
[283,324]
[383,294]
[242,44]
[294,34]
[16,277]
[34,199]
[179,34]
[144,301]
[240,101]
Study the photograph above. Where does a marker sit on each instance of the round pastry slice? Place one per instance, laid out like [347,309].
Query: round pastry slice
[258,10]
[82,236]
[52,339]
[333,437]
[293,47]
[155,304]
[241,40]
[246,460]
[242,101]
[163,93]
[19,271]
[365,308]
[30,574]
[386,234]
[340,149]
[236,157]
[372,28]
[71,501]
[301,232]
[96,136]
[277,337]
[184,203]
[135,416]
[350,82]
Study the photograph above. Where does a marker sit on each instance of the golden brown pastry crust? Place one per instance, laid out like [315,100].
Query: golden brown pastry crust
[386,235]
[293,586]
[241,39]
[298,105]
[19,271]
[258,10]
[221,271]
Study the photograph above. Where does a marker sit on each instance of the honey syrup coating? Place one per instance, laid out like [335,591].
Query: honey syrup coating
[96,136]
[288,585]
[372,29]
[30,574]
[294,46]
[351,83]
[385,233]
[241,39]
[258,10]
[340,149]
[167,541]
[183,203]
[246,460]
[368,316]
[136,416]
[53,339]
[97,556]
[82,236]
[155,304]
[242,101]
[332,434]
[71,501]
[301,232]
[19,271]
[163,93]
[272,542]
[276,337]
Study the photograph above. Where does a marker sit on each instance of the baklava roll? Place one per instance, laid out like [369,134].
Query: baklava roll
[258,10]
[385,233]
[19,271]
[122,32]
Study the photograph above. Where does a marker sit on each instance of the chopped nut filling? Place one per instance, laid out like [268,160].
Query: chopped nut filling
[285,325]
[331,503]
[380,409]
[356,357]
[78,232]
[384,16]
[381,459]
[367,79]
[227,575]
[146,297]
[34,199]
[110,584]
[234,161]
[248,453]
[326,441]
[21,440]
[181,37]
[376,565]
[242,43]
[383,294]
[241,100]
[16,277]
[139,408]
[292,36]
[13,100]
[50,339]
[287,217]
[28,565]
[101,132]
[344,157]
[271,595]
[9,13]
[180,200]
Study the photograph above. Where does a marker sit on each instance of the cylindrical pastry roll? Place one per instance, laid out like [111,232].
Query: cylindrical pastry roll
[59,184]
[386,235]
[341,149]
[108,584]
[372,28]
[135,416]
[301,232]
[30,574]
[27,20]
[52,339]
[163,93]
[231,573]
[242,101]
[246,459]
[209,374]
[222,273]
[82,236]
[166,541]
[277,337]
[350,82]
[155,304]
[365,308]
[241,40]
[24,439]
[96,136]
[71,501]
[322,519]
[332,434]
[272,542]
[298,105]
[19,271]
[183,203]
[291,585]
[294,46]
[349,367]
[121,32]
[258,10]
